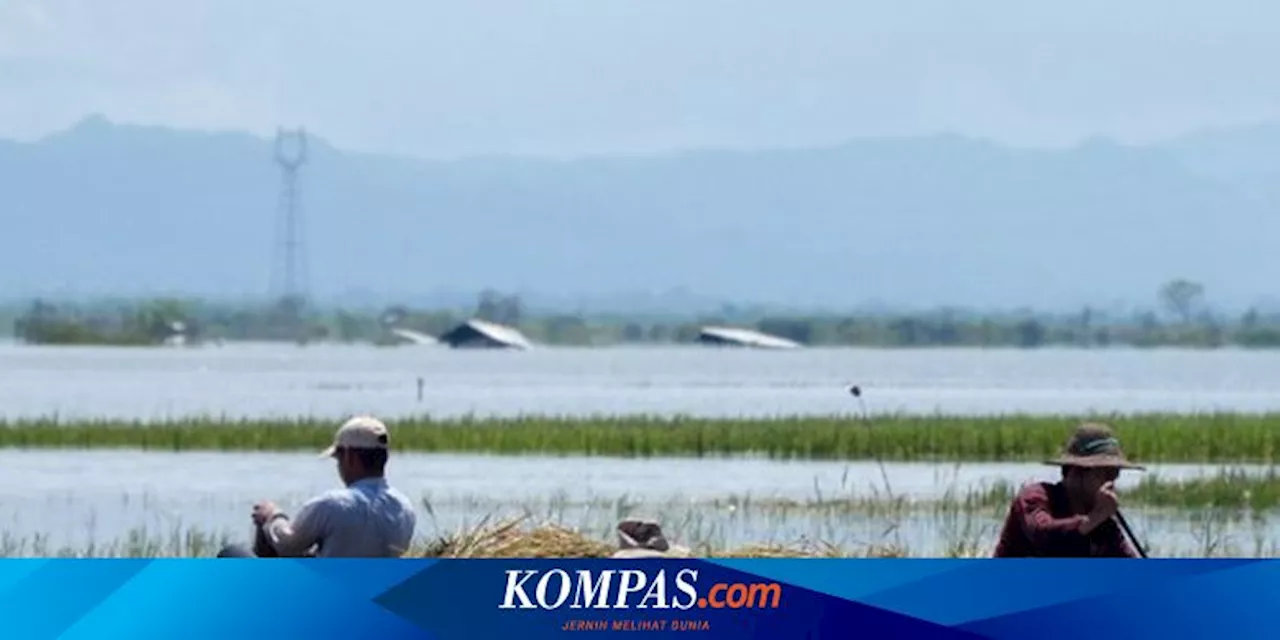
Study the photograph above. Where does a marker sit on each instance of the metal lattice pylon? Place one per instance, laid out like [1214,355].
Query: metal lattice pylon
[289,275]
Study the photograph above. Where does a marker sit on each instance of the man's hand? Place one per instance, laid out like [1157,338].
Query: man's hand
[263,512]
[1105,505]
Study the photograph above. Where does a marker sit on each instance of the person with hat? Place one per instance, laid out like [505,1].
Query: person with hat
[365,519]
[1072,517]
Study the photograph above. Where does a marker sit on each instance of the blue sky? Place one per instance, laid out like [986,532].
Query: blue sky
[573,77]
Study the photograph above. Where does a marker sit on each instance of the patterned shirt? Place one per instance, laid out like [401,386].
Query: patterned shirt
[1040,524]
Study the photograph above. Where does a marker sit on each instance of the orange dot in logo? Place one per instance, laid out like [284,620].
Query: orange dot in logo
[702,603]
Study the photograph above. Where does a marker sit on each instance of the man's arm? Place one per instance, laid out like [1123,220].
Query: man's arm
[1041,526]
[294,538]
[1102,534]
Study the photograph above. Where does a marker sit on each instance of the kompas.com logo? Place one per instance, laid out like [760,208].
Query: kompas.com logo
[586,589]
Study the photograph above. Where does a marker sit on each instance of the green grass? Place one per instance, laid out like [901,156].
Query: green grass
[189,542]
[1208,438]
[1230,488]
[966,533]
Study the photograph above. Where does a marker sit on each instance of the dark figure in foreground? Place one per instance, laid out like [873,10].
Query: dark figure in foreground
[1072,518]
[366,519]
[640,538]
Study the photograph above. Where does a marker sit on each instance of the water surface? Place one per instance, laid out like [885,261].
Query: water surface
[77,497]
[329,380]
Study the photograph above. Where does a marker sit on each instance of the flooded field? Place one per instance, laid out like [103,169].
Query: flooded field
[75,498]
[328,380]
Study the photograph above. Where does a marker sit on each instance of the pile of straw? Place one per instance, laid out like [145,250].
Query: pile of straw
[514,538]
[508,539]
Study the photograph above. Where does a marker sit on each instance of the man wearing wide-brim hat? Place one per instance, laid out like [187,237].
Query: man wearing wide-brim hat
[1074,516]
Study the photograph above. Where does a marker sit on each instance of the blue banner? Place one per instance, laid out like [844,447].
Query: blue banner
[739,599]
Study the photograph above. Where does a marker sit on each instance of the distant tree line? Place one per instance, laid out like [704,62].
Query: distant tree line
[1182,321]
[151,323]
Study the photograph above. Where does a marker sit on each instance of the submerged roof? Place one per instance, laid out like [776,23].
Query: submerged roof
[745,337]
[494,332]
[414,337]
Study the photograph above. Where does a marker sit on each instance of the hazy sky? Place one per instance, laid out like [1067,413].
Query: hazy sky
[566,77]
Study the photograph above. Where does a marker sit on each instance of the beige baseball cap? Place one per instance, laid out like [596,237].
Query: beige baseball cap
[360,432]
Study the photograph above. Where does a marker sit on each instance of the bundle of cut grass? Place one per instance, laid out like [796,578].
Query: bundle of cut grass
[513,538]
[508,539]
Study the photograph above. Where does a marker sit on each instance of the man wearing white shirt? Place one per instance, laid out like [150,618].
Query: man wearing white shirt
[366,519]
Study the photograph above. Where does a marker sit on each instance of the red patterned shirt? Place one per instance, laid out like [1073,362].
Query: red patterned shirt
[1040,524]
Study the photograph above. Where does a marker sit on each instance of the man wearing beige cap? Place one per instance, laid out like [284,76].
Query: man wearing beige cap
[366,519]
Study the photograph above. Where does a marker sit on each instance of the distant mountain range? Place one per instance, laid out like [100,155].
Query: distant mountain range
[939,220]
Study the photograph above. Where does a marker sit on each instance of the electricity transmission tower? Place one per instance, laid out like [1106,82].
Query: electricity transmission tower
[289,272]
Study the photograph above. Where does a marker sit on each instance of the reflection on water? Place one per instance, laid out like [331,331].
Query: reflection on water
[75,497]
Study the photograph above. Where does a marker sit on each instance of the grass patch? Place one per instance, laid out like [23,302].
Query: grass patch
[1209,513]
[1209,438]
[520,537]
[1233,489]
[189,542]
[1229,489]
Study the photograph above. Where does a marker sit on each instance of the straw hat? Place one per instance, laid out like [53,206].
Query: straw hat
[1093,445]
[639,538]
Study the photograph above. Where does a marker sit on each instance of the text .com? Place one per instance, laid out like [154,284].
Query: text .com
[632,588]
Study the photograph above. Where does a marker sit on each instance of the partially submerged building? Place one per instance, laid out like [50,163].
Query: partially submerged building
[735,337]
[409,336]
[482,334]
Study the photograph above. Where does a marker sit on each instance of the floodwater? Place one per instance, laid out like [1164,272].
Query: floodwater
[76,497]
[330,380]
[73,498]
